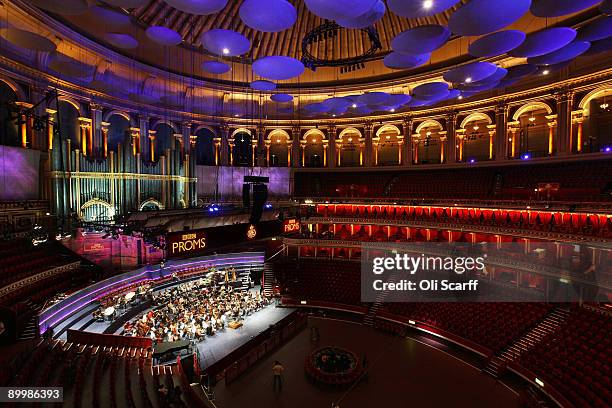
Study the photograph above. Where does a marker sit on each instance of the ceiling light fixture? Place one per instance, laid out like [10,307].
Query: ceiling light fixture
[545,72]
[460,97]
[476,127]
[532,119]
[427,4]
[392,109]
[354,105]
[226,51]
[468,80]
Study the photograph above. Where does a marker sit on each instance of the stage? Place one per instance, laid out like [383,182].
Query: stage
[211,349]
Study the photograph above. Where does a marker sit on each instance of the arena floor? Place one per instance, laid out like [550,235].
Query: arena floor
[403,372]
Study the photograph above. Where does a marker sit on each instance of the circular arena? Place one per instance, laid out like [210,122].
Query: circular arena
[305,203]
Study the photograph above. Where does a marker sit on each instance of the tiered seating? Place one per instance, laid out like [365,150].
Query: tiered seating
[321,280]
[493,325]
[578,181]
[576,360]
[92,375]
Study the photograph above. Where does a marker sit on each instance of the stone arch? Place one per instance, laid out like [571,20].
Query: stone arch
[202,126]
[151,201]
[584,102]
[72,102]
[528,107]
[15,87]
[278,132]
[240,130]
[429,123]
[474,117]
[349,130]
[388,127]
[167,122]
[123,114]
[312,132]
[96,209]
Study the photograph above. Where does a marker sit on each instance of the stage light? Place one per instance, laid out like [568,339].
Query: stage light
[460,97]
[468,80]
[472,161]
[354,105]
[545,72]
[226,51]
[608,149]
[427,4]
[526,157]
[411,322]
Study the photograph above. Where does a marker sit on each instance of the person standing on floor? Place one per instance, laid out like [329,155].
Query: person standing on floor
[277,371]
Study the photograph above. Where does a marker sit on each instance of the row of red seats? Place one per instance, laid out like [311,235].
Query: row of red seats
[577,359]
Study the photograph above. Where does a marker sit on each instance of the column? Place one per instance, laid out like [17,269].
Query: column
[143,123]
[303,148]
[177,143]
[152,135]
[331,152]
[443,140]
[193,139]
[552,125]
[289,152]
[451,149]
[578,121]
[367,148]
[295,146]
[564,120]
[224,145]
[50,127]
[339,154]
[415,148]
[104,126]
[85,135]
[501,118]
[23,124]
[407,155]
[185,134]
[96,129]
[260,136]
[492,130]
[512,143]
[135,140]
[460,137]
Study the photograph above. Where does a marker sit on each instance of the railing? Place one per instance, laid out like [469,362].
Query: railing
[240,360]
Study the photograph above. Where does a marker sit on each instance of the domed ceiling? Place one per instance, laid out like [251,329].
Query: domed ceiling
[116,23]
[316,58]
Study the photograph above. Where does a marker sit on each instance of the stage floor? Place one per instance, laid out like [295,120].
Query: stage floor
[402,372]
[212,348]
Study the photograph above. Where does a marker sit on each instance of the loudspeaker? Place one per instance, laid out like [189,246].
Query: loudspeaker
[260,196]
[246,195]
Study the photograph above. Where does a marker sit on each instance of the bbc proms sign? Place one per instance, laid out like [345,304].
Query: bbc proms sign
[185,243]
[291,225]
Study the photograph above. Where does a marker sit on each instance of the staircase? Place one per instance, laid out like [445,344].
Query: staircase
[550,324]
[268,279]
[368,319]
[29,329]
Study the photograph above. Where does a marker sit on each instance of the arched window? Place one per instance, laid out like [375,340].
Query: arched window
[597,132]
[428,146]
[387,146]
[313,150]
[477,141]
[242,150]
[8,128]
[69,123]
[533,133]
[118,131]
[279,148]
[349,147]
[205,149]
[163,138]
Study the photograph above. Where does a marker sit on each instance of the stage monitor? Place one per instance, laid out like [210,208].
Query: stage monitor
[256,179]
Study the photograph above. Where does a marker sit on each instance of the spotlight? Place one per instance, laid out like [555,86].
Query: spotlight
[608,149]
[526,157]
[532,119]
[545,72]
[226,51]
[468,80]
[427,4]
[460,97]
[354,105]
[472,161]
[392,110]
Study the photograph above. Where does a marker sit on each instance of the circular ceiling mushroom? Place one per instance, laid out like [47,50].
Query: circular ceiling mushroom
[120,40]
[365,20]
[597,30]
[164,36]
[421,39]
[472,72]
[225,42]
[278,67]
[110,17]
[569,52]
[395,60]
[419,8]
[215,67]
[268,15]
[281,97]
[496,43]
[337,9]
[198,7]
[430,90]
[479,17]
[544,42]
[556,8]
[126,3]
[262,85]
[520,71]
[27,40]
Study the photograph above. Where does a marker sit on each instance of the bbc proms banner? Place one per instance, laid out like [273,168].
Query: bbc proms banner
[185,244]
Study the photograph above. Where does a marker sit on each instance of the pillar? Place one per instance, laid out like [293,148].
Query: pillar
[224,145]
[451,149]
[552,124]
[193,139]
[442,145]
[331,152]
[492,130]
[512,142]
[96,129]
[50,127]
[564,119]
[407,155]
[578,121]
[143,138]
[295,147]
[85,135]
[135,140]
[460,137]
[260,160]
[501,118]
[415,148]
[104,126]
[367,147]
[152,135]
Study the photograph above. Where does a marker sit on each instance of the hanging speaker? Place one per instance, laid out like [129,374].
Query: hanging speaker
[260,196]
[246,195]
